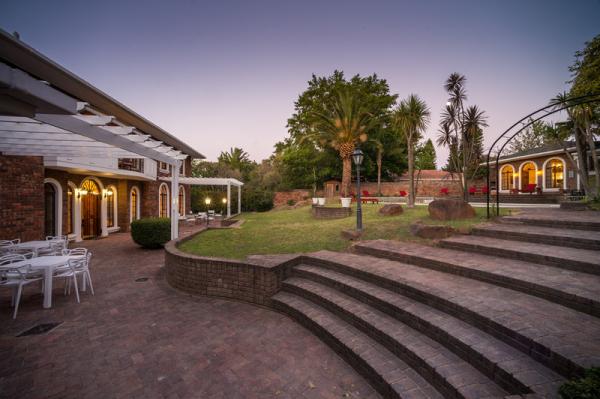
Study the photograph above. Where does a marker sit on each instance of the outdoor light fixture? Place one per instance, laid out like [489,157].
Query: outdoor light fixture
[357,157]
[224,200]
[81,192]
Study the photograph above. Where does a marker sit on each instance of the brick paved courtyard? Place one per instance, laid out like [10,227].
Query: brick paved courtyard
[145,340]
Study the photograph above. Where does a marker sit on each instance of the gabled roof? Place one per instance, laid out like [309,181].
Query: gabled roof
[18,54]
[550,147]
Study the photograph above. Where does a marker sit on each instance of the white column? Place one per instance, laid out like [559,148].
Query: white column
[239,199]
[228,199]
[175,200]
[103,213]
[77,216]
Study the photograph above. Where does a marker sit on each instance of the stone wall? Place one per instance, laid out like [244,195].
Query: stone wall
[21,198]
[282,197]
[325,212]
[253,282]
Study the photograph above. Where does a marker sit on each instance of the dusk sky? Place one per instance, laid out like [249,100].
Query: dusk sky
[222,74]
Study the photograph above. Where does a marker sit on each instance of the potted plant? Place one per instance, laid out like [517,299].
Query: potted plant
[321,201]
[346,201]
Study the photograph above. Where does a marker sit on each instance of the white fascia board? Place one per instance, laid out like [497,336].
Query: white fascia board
[18,80]
[96,120]
[120,130]
[75,125]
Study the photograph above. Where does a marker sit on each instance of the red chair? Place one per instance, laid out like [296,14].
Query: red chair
[472,190]
[403,193]
[366,193]
[530,188]
[485,190]
[444,191]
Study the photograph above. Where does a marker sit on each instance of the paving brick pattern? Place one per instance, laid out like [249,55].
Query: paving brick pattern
[539,234]
[586,220]
[578,290]
[584,260]
[146,340]
[561,338]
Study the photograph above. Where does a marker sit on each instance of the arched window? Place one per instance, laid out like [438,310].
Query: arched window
[181,201]
[528,175]
[134,211]
[111,207]
[554,173]
[163,201]
[507,174]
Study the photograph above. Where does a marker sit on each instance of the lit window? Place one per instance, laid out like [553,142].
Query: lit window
[110,207]
[163,205]
[554,174]
[181,201]
[507,178]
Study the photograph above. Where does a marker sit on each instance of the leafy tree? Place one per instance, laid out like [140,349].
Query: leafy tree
[411,117]
[237,159]
[425,157]
[586,69]
[320,99]
[530,138]
[461,130]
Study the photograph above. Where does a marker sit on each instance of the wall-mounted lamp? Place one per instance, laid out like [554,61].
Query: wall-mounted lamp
[81,192]
[107,193]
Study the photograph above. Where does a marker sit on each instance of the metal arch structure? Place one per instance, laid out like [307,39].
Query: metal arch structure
[566,104]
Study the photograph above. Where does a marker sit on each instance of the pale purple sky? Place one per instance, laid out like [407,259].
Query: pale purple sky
[221,74]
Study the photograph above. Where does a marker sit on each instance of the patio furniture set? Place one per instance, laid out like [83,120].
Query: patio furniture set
[201,217]
[43,261]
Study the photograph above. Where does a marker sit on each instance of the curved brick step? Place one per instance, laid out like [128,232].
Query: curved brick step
[561,338]
[385,372]
[584,220]
[511,369]
[448,373]
[581,260]
[579,291]
[581,239]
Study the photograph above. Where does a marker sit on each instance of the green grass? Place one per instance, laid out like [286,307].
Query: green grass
[293,231]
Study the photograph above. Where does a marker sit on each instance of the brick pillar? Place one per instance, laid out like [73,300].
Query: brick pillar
[21,197]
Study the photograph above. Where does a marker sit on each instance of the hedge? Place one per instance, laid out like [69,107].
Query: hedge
[151,232]
[587,387]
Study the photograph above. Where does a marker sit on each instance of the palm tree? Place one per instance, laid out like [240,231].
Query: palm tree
[379,160]
[236,158]
[411,117]
[343,125]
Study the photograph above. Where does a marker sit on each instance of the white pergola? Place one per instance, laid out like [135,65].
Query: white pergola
[39,120]
[218,181]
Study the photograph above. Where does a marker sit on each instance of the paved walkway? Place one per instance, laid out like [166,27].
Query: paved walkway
[145,340]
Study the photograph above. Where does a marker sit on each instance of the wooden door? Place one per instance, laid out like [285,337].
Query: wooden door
[90,210]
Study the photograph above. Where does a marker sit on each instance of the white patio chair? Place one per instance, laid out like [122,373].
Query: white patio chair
[69,272]
[16,278]
[7,246]
[56,247]
[56,238]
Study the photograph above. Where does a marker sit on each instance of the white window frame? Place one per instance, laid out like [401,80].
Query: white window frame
[137,205]
[168,200]
[565,176]
[514,176]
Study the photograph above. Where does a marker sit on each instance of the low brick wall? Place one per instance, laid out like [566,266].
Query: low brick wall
[252,280]
[325,212]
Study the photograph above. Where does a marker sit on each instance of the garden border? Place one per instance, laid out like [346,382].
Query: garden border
[255,279]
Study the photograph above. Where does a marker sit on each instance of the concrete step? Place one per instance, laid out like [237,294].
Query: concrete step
[564,340]
[448,373]
[581,260]
[561,219]
[573,238]
[508,367]
[580,291]
[389,375]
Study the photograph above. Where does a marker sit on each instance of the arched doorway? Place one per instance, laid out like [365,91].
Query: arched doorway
[528,175]
[50,202]
[90,209]
[507,178]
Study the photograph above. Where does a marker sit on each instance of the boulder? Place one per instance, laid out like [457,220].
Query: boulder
[351,235]
[430,231]
[450,209]
[391,210]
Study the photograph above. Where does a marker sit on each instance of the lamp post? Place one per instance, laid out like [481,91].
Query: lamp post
[357,157]
[207,202]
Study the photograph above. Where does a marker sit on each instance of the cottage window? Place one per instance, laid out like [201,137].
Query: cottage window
[507,174]
[554,173]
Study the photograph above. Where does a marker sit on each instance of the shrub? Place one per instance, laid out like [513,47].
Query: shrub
[151,232]
[257,200]
[587,387]
[291,202]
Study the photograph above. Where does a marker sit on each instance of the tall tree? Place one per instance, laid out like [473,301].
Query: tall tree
[425,157]
[530,138]
[461,129]
[343,125]
[411,117]
[237,159]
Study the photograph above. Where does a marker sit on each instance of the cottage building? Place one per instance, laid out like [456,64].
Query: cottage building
[74,161]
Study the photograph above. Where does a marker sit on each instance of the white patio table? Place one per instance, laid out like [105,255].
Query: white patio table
[34,246]
[47,264]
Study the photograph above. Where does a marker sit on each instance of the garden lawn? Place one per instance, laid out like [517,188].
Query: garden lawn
[294,231]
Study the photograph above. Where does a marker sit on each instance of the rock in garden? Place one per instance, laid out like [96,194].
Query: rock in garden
[351,235]
[450,209]
[430,231]
[391,210]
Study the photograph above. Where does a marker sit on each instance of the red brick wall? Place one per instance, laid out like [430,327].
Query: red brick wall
[425,188]
[21,197]
[282,197]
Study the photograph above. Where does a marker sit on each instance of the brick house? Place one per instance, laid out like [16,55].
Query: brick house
[543,170]
[73,160]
